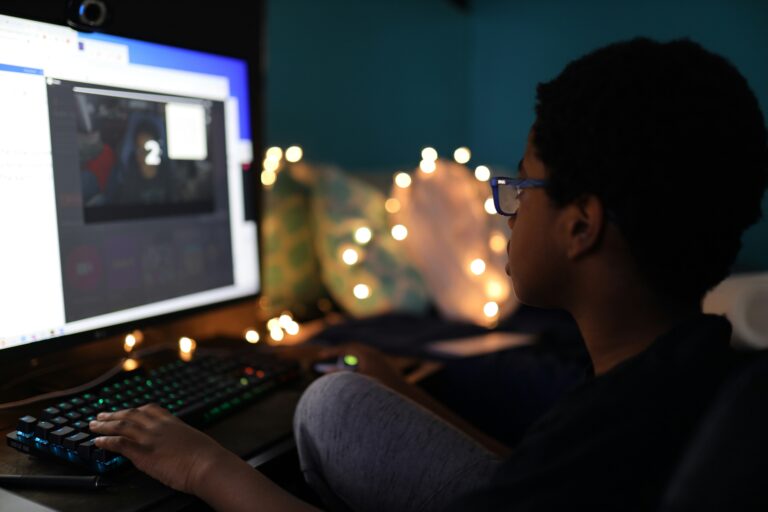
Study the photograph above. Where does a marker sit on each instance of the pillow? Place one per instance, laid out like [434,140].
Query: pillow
[457,245]
[291,268]
[384,278]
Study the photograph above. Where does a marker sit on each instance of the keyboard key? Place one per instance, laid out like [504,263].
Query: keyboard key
[101,455]
[85,449]
[64,406]
[57,436]
[43,428]
[27,425]
[80,425]
[72,442]
[50,412]
[73,415]
[77,402]
[59,421]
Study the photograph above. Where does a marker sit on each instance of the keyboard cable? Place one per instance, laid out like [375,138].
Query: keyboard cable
[90,384]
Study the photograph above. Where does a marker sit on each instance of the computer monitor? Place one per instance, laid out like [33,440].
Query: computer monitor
[122,195]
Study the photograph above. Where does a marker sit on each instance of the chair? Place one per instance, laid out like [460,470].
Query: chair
[725,468]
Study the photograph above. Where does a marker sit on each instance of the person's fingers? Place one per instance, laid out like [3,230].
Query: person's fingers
[155,411]
[121,444]
[118,427]
[137,416]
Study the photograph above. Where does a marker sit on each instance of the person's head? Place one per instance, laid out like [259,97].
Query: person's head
[146,149]
[659,147]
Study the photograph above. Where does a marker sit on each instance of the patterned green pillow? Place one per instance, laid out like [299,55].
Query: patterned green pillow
[341,205]
[291,268]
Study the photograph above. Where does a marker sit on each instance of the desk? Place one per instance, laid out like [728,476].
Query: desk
[265,425]
[249,432]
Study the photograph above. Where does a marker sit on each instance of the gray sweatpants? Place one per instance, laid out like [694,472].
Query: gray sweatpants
[364,447]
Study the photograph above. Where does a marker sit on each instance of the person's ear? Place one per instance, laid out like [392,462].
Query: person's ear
[584,226]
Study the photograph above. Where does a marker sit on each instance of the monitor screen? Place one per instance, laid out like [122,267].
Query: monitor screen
[121,182]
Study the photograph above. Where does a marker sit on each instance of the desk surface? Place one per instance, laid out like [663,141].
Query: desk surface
[254,429]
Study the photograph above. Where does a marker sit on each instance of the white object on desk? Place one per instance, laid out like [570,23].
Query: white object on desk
[480,345]
[10,502]
[743,299]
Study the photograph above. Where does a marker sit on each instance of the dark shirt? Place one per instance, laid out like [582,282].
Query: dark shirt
[613,442]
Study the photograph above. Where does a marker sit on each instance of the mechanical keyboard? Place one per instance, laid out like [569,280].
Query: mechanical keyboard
[199,392]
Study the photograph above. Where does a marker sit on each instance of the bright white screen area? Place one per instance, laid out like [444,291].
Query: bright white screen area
[186,131]
[121,185]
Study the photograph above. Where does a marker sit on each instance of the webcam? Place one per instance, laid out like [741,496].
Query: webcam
[87,15]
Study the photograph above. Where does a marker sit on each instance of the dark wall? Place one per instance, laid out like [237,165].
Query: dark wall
[517,44]
[215,27]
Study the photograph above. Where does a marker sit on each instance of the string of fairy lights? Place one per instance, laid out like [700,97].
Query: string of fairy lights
[353,252]
[283,327]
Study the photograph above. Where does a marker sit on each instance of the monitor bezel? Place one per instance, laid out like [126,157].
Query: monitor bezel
[55,14]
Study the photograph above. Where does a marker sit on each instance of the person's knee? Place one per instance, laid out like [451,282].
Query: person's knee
[329,403]
[331,396]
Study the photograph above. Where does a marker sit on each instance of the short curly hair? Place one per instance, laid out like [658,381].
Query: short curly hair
[672,140]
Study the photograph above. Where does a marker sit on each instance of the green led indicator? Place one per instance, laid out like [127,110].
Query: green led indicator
[244,381]
[350,360]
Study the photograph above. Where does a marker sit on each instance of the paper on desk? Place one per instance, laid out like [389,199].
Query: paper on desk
[479,345]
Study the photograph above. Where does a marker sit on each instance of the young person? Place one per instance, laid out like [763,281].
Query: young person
[646,163]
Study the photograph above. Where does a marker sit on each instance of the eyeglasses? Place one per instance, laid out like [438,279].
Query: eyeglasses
[506,193]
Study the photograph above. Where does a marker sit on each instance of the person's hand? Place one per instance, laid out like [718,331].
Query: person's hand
[160,445]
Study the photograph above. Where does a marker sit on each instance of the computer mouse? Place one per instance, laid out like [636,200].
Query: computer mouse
[344,363]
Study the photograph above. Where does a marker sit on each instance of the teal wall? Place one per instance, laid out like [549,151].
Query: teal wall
[516,44]
[367,83]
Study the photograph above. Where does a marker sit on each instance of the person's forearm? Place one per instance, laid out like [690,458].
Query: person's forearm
[426,400]
[231,485]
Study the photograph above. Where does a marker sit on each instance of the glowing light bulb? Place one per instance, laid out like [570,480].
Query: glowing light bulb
[363,235]
[477,266]
[429,154]
[489,206]
[268,178]
[350,256]
[427,166]
[273,323]
[130,364]
[274,153]
[285,320]
[293,154]
[187,345]
[403,180]
[482,173]
[252,336]
[495,290]
[399,232]
[498,242]
[130,341]
[276,334]
[462,155]
[491,309]
[361,291]
[292,329]
[392,205]
[271,164]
